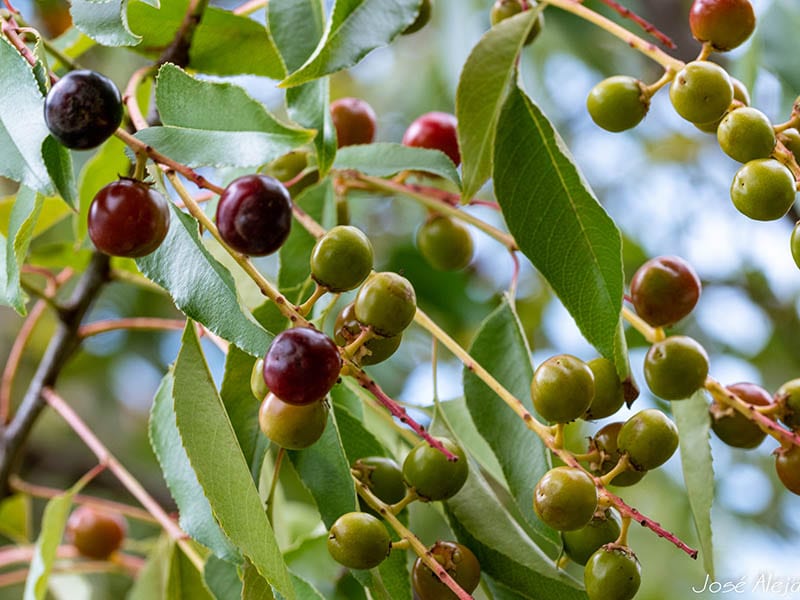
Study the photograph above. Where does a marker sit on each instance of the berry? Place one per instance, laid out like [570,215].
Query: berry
[608,393]
[581,543]
[649,438]
[794,244]
[504,9]
[745,134]
[341,259]
[459,562]
[787,464]
[731,426]
[675,368]
[435,130]
[740,93]
[428,471]
[95,533]
[301,365]
[376,350]
[387,303]
[562,388]
[383,477]
[288,166]
[292,426]
[664,290]
[354,121]
[725,24]
[359,541]
[254,215]
[423,16]
[789,396]
[618,103]
[701,92]
[565,498]
[612,574]
[763,189]
[445,243]
[257,385]
[128,218]
[605,441]
[791,139]
[83,109]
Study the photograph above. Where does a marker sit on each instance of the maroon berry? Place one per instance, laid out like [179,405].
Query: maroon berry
[95,533]
[734,428]
[354,121]
[664,290]
[436,130]
[724,23]
[301,365]
[128,218]
[254,215]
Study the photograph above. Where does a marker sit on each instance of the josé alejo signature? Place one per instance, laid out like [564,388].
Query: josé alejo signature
[765,583]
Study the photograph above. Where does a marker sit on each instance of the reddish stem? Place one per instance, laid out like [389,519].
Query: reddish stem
[14,358]
[10,7]
[10,28]
[143,323]
[644,24]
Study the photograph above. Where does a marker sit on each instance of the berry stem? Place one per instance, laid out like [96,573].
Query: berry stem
[643,23]
[130,99]
[397,507]
[622,540]
[305,308]
[351,350]
[622,466]
[651,334]
[15,356]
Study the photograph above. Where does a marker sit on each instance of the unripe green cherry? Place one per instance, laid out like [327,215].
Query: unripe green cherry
[789,397]
[423,16]
[608,393]
[664,290]
[287,167]
[605,442]
[580,544]
[794,244]
[562,388]
[428,471]
[763,189]
[787,464]
[257,384]
[504,9]
[745,134]
[292,426]
[734,428]
[387,303]
[740,93]
[725,24]
[565,498]
[341,259]
[612,574]
[383,477]
[359,541]
[459,562]
[649,438]
[791,139]
[701,92]
[376,350]
[445,243]
[676,367]
[618,103]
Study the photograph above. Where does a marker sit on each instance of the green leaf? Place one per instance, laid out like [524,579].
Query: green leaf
[201,287]
[254,587]
[196,518]
[694,426]
[24,215]
[105,166]
[356,27]
[309,105]
[357,440]
[222,578]
[105,21]
[304,590]
[151,583]
[58,161]
[15,518]
[482,90]
[223,473]
[185,581]
[385,160]
[240,404]
[559,224]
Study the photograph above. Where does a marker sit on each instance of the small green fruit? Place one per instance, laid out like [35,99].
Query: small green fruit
[787,464]
[746,134]
[428,471]
[565,498]
[387,303]
[701,92]
[763,189]
[612,575]
[257,384]
[459,562]
[292,426]
[504,9]
[580,544]
[359,541]
[605,441]
[794,244]
[562,388]
[789,397]
[383,477]
[675,368]
[618,103]
[445,243]
[740,93]
[731,426]
[649,438]
[341,259]
[609,395]
[374,351]
[791,139]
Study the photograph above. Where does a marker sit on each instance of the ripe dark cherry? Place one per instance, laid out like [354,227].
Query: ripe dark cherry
[83,109]
[354,121]
[664,290]
[435,130]
[459,562]
[301,365]
[128,218]
[254,215]
[95,533]
[724,23]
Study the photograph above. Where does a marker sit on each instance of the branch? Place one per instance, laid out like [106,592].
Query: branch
[644,24]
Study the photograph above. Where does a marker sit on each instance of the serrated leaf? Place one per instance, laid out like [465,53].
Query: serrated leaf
[355,28]
[385,160]
[309,105]
[15,518]
[58,161]
[185,581]
[105,166]
[254,587]
[222,578]
[559,224]
[304,590]
[24,214]
[482,90]
[357,440]
[105,21]
[151,583]
[240,404]
[201,287]
[223,473]
[694,427]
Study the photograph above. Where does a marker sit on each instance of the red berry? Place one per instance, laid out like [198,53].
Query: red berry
[95,533]
[724,23]
[664,290]
[436,130]
[354,121]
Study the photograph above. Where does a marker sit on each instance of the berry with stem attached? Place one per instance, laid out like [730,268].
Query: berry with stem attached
[387,303]
[562,388]
[437,131]
[745,134]
[664,290]
[358,540]
[605,441]
[581,543]
[354,121]
[725,24]
[701,92]
[675,368]
[612,573]
[504,9]
[432,476]
[341,259]
[763,189]
[649,438]
[788,395]
[445,243]
[383,477]
[565,498]
[618,103]
[609,395]
[292,426]
[740,94]
[734,428]
[787,464]
[459,562]
[375,350]
[95,533]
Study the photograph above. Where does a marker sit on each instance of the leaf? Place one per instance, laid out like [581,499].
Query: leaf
[694,425]
[200,286]
[254,587]
[482,90]
[357,440]
[559,224]
[222,578]
[15,518]
[223,473]
[24,215]
[304,590]
[185,581]
[309,105]
[240,404]
[151,583]
[384,160]
[356,27]
[105,21]
[58,161]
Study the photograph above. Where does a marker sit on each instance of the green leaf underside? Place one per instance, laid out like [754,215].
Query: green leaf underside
[24,214]
[254,587]
[482,89]
[309,106]
[222,578]
[694,427]
[15,518]
[168,574]
[559,224]
[201,287]
[240,404]
[58,162]
[386,159]
[185,582]
[217,459]
[105,21]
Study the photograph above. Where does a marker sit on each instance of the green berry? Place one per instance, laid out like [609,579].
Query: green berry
[504,9]
[341,259]
[725,24]
[618,103]
[675,368]
[609,395]
[791,139]
[359,541]
[565,498]
[257,384]
[612,575]
[789,397]
[428,471]
[740,93]
[423,16]
[701,92]
[649,438]
[787,464]
[731,426]
[445,243]
[376,350]
[383,477]
[763,189]
[605,442]
[459,562]
[292,426]
[562,388]
[794,244]
[287,167]
[746,134]
[581,543]
[387,303]
[664,290]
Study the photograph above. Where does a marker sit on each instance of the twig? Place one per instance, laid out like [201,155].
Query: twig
[15,356]
[129,98]
[644,24]
[139,323]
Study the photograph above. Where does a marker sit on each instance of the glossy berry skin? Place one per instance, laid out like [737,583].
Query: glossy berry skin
[618,103]
[128,218]
[428,471]
[787,464]
[731,426]
[95,533]
[649,438]
[664,290]
[354,121]
[562,388]
[565,498]
[701,92]
[763,189]
[437,131]
[794,245]
[459,562]
[254,215]
[789,396]
[292,426]
[726,24]
[609,395]
[383,477]
[378,349]
[445,243]
[612,574]
[423,16]
[740,93]
[387,303]
[288,166]
[301,365]
[359,541]
[605,441]
[675,368]
[341,259]
[504,9]
[257,385]
[580,544]
[791,139]
[83,109]
[745,134]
